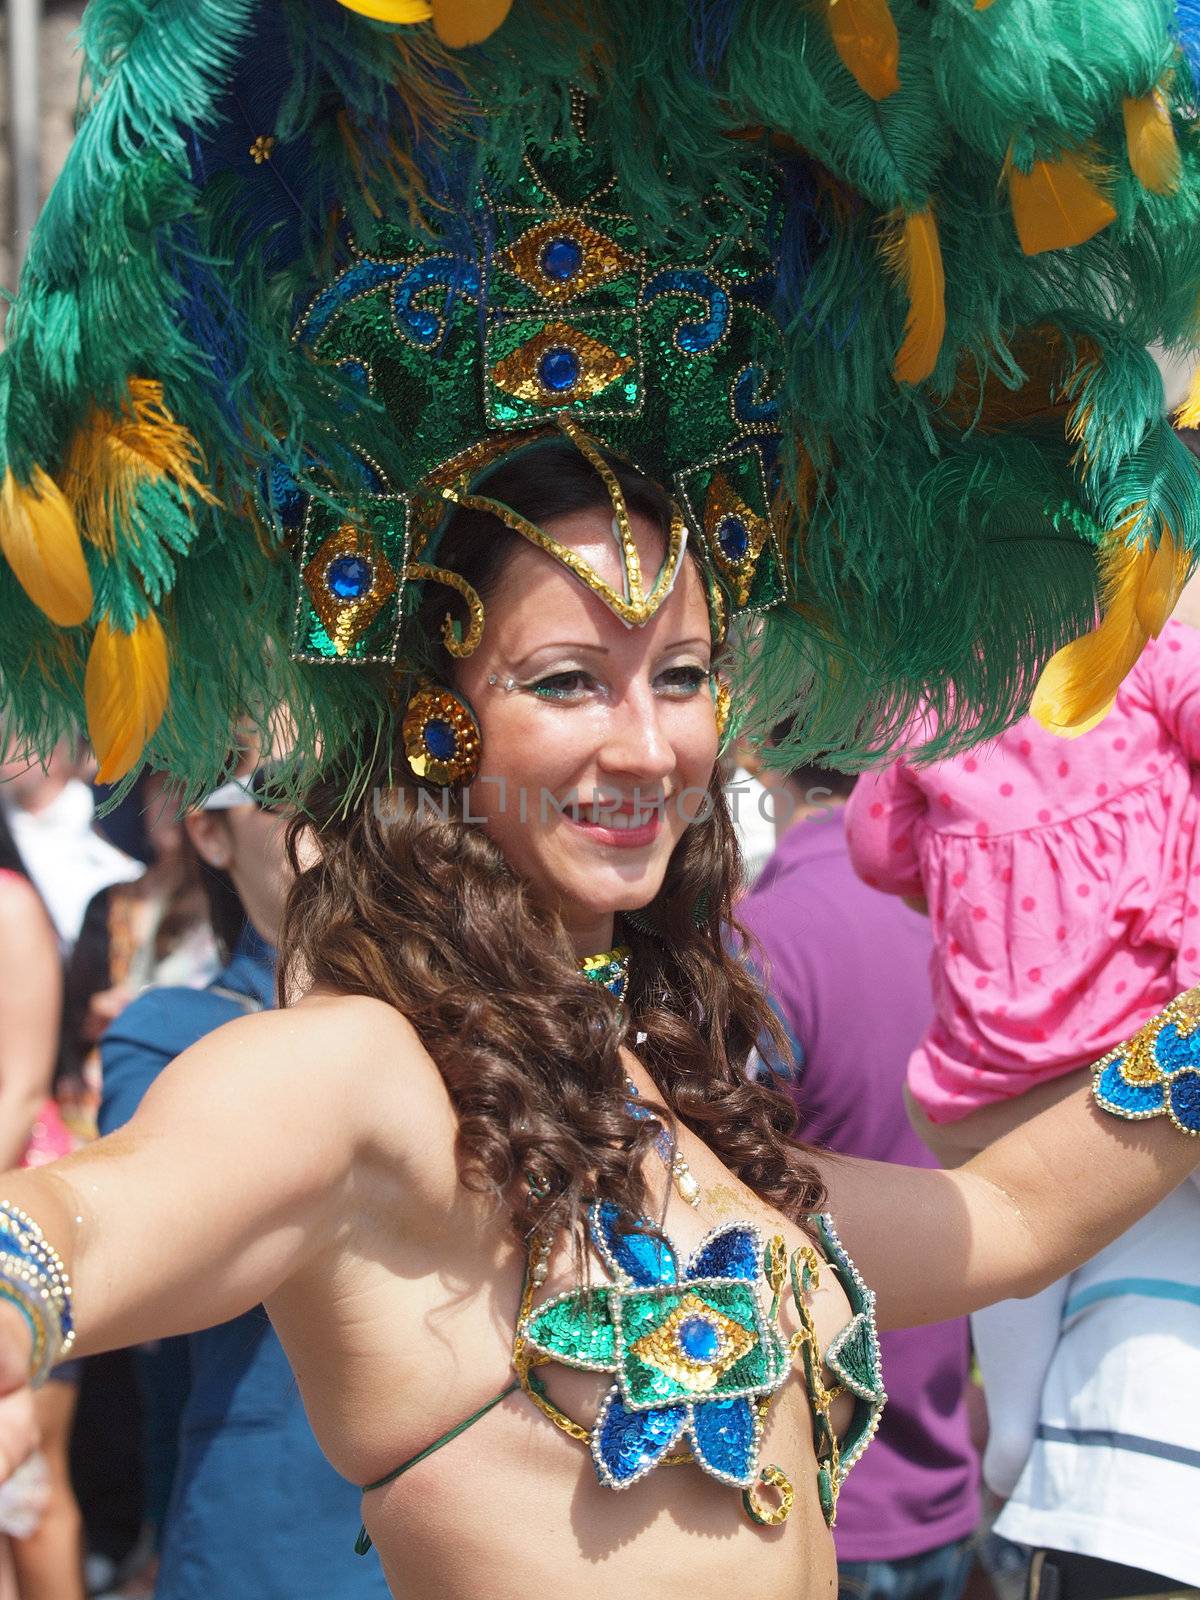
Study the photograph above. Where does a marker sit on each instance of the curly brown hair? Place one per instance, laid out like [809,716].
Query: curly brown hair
[408,903]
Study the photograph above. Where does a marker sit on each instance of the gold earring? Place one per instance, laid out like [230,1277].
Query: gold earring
[441,736]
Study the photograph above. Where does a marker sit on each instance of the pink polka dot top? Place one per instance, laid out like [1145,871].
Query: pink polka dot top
[1063,882]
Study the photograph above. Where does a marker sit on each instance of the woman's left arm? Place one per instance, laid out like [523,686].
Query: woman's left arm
[1033,1206]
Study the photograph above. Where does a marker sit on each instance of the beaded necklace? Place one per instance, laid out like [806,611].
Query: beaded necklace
[611,971]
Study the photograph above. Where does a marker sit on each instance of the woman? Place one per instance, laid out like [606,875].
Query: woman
[555,381]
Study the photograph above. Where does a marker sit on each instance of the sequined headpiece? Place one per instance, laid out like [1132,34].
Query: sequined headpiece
[553,320]
[867,290]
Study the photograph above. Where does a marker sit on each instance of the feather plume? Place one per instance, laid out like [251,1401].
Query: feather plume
[40,541]
[1150,139]
[399,12]
[111,457]
[982,5]
[125,692]
[914,254]
[1140,585]
[459,23]
[1188,414]
[865,37]
[1059,203]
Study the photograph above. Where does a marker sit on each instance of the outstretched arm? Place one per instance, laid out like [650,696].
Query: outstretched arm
[881,814]
[1029,1209]
[234,1173]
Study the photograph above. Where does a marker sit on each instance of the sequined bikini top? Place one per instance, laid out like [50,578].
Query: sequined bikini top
[697,1354]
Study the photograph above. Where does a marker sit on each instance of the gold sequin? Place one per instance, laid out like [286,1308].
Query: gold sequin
[467,645]
[519,372]
[263,148]
[346,620]
[599,259]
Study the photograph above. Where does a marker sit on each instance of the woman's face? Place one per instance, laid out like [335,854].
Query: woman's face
[598,740]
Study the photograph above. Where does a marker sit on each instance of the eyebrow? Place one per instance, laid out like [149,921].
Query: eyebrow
[602,649]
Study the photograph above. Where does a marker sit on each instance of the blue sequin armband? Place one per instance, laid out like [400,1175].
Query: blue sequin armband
[34,1280]
[1157,1072]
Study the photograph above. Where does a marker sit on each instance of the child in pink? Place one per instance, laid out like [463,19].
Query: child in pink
[1062,879]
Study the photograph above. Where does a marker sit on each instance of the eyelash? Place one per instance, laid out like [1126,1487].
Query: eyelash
[553,687]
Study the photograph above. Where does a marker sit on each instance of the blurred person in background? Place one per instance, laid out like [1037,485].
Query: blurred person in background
[847,973]
[151,930]
[48,1563]
[254,1507]
[1063,886]
[51,813]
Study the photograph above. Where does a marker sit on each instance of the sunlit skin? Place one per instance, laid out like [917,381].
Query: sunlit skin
[617,719]
[307,1158]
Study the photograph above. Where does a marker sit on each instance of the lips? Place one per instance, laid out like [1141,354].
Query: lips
[623,826]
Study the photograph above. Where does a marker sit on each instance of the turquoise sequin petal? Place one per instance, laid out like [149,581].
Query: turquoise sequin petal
[629,1251]
[725,1438]
[626,1445]
[1129,1100]
[575,1329]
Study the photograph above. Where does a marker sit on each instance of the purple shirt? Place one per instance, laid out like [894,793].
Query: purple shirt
[849,971]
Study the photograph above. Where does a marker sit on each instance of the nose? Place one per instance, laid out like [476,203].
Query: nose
[637,744]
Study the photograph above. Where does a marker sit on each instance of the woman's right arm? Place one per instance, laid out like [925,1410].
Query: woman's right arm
[234,1173]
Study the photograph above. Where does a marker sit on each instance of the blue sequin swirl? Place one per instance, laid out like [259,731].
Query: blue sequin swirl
[693,337]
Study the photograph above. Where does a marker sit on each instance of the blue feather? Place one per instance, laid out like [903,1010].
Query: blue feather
[713,22]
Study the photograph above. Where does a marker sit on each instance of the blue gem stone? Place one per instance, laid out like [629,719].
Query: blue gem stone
[440,739]
[1184,1096]
[734,537]
[559,369]
[562,259]
[699,1339]
[349,577]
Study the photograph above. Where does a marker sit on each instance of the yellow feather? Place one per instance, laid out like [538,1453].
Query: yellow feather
[1150,139]
[864,35]
[1058,203]
[459,23]
[982,5]
[111,455]
[1162,584]
[1188,414]
[40,541]
[1140,585]
[401,12]
[125,692]
[914,253]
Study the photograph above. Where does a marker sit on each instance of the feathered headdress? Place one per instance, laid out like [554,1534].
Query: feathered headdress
[928,245]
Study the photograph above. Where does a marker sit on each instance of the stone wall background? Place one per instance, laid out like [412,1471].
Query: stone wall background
[59,85]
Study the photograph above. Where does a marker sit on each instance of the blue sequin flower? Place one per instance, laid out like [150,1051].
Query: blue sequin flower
[693,1351]
[1157,1072]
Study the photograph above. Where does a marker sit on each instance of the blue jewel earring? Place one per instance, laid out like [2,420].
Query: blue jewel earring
[441,736]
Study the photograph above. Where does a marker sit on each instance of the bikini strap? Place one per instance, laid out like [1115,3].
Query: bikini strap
[363,1543]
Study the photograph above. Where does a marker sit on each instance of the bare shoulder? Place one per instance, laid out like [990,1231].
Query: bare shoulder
[344,1060]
